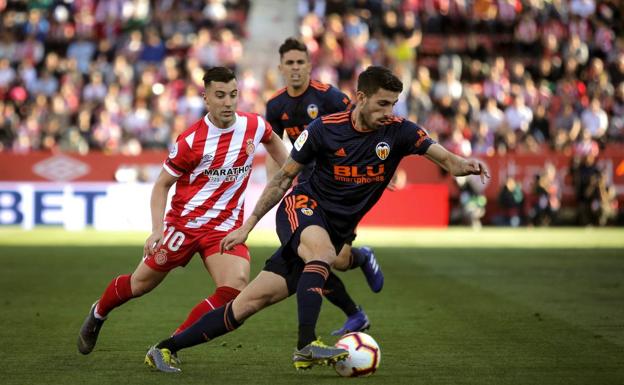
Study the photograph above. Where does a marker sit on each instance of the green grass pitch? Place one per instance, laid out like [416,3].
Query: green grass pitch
[528,306]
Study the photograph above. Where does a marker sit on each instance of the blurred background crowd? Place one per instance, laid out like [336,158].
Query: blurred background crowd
[484,77]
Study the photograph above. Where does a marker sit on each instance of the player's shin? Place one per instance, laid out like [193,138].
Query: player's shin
[310,291]
[212,325]
[116,294]
[220,297]
[336,293]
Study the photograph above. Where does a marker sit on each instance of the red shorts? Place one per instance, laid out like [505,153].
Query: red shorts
[179,246]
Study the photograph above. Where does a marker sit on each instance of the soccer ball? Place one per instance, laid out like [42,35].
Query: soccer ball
[364,355]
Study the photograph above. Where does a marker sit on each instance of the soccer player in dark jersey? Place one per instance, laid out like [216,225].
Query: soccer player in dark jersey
[289,111]
[356,154]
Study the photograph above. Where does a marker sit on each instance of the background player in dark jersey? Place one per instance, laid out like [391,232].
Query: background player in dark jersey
[315,218]
[290,111]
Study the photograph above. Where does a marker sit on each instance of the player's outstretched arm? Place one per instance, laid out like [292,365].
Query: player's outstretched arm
[158,202]
[276,148]
[272,194]
[454,164]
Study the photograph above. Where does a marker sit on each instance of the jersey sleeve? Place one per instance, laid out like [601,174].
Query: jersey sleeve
[308,144]
[338,101]
[416,139]
[181,159]
[268,131]
[272,117]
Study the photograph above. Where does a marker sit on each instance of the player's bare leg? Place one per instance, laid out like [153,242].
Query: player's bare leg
[145,279]
[266,289]
[120,290]
[230,274]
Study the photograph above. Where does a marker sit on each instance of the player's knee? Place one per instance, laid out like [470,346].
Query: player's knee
[234,278]
[328,256]
[238,282]
[318,253]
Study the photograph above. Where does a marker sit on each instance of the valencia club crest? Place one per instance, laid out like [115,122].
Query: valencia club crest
[382,150]
[313,111]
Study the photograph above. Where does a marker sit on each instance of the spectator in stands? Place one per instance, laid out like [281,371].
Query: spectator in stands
[518,116]
[603,204]
[492,116]
[419,104]
[616,128]
[511,202]
[471,205]
[547,197]
[584,170]
[448,87]
[595,120]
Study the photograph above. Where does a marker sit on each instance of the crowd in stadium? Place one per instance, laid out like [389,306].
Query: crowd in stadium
[483,77]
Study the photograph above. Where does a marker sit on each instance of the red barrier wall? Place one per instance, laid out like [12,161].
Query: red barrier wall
[424,205]
[423,202]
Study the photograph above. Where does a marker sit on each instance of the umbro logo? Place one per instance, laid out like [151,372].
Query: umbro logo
[285,116]
[341,152]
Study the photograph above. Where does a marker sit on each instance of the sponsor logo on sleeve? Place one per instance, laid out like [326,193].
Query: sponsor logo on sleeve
[174,151]
[422,135]
[301,140]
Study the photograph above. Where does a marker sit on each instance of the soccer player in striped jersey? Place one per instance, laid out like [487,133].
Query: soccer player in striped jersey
[356,153]
[289,112]
[210,165]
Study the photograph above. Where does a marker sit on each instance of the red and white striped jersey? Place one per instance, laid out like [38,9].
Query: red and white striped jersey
[213,166]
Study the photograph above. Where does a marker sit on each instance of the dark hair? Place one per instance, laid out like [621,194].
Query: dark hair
[291,44]
[218,74]
[374,78]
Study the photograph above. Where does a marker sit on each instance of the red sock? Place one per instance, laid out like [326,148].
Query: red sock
[116,294]
[220,297]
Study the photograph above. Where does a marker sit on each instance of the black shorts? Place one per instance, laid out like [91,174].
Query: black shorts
[296,212]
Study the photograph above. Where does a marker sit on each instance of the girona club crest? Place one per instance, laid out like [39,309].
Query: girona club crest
[249,147]
[161,257]
[382,150]
[313,111]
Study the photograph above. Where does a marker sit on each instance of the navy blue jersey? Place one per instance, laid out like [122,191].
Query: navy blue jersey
[353,168]
[293,114]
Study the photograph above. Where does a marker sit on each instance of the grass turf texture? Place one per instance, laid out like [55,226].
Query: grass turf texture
[528,306]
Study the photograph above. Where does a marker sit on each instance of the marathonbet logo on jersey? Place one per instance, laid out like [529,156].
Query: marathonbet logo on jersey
[218,175]
[382,150]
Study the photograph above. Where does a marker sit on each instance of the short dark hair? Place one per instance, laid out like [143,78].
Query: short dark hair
[218,74]
[374,78]
[291,44]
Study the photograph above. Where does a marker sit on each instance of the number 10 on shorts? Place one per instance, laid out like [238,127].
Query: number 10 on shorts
[173,239]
